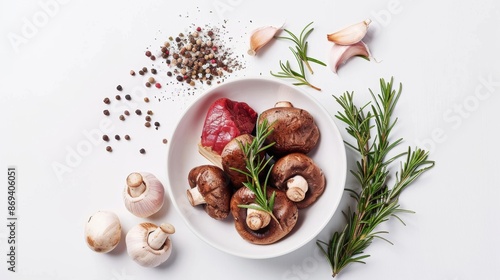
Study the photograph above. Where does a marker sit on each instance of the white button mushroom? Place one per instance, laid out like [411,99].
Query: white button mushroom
[144,194]
[148,244]
[103,231]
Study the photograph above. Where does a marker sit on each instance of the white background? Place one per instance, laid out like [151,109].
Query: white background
[60,59]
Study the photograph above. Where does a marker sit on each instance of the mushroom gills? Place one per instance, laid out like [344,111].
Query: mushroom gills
[297,188]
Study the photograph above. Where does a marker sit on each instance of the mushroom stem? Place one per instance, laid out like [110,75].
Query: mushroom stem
[157,238]
[297,188]
[283,104]
[257,219]
[195,197]
[135,184]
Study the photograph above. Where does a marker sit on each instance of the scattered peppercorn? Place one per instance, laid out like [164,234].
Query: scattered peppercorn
[151,80]
[118,97]
[117,137]
[147,124]
[106,100]
[105,137]
[106,112]
[138,112]
[148,53]
[169,74]
[119,88]
[128,97]
[142,151]
[148,118]
[146,99]
[126,112]
[141,72]
[127,137]
[144,69]
[150,112]
[148,84]
[164,141]
[132,72]
[158,85]
[122,117]
[153,71]
[157,124]
[153,57]
[109,149]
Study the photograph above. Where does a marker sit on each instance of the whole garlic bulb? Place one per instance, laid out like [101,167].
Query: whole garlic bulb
[144,194]
[103,231]
[148,244]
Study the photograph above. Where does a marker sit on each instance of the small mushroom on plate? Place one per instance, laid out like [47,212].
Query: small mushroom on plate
[260,229]
[210,187]
[148,244]
[301,179]
[233,157]
[294,129]
[144,194]
[103,231]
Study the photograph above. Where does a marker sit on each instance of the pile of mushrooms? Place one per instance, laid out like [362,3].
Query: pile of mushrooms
[147,244]
[296,180]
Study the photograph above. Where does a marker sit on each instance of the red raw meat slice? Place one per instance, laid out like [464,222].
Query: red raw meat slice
[225,120]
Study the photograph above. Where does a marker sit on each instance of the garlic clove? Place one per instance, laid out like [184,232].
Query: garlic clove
[260,37]
[339,54]
[351,34]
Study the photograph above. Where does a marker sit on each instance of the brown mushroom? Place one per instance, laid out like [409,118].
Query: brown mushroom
[294,129]
[210,187]
[234,157]
[284,210]
[301,179]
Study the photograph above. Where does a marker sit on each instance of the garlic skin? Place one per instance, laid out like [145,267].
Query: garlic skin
[260,37]
[144,194]
[351,34]
[103,231]
[339,54]
[148,244]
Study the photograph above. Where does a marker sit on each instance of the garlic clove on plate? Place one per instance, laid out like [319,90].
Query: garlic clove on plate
[339,54]
[351,34]
[260,37]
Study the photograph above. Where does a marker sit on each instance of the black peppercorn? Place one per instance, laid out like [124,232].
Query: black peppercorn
[105,137]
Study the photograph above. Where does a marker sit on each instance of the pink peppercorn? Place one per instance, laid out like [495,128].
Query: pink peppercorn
[214,48]
[158,85]
[148,53]
[198,29]
[213,61]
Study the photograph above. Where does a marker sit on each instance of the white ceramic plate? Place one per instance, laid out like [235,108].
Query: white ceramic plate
[183,155]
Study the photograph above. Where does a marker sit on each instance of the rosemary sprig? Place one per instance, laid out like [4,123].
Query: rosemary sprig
[255,165]
[376,202]
[301,45]
[299,51]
